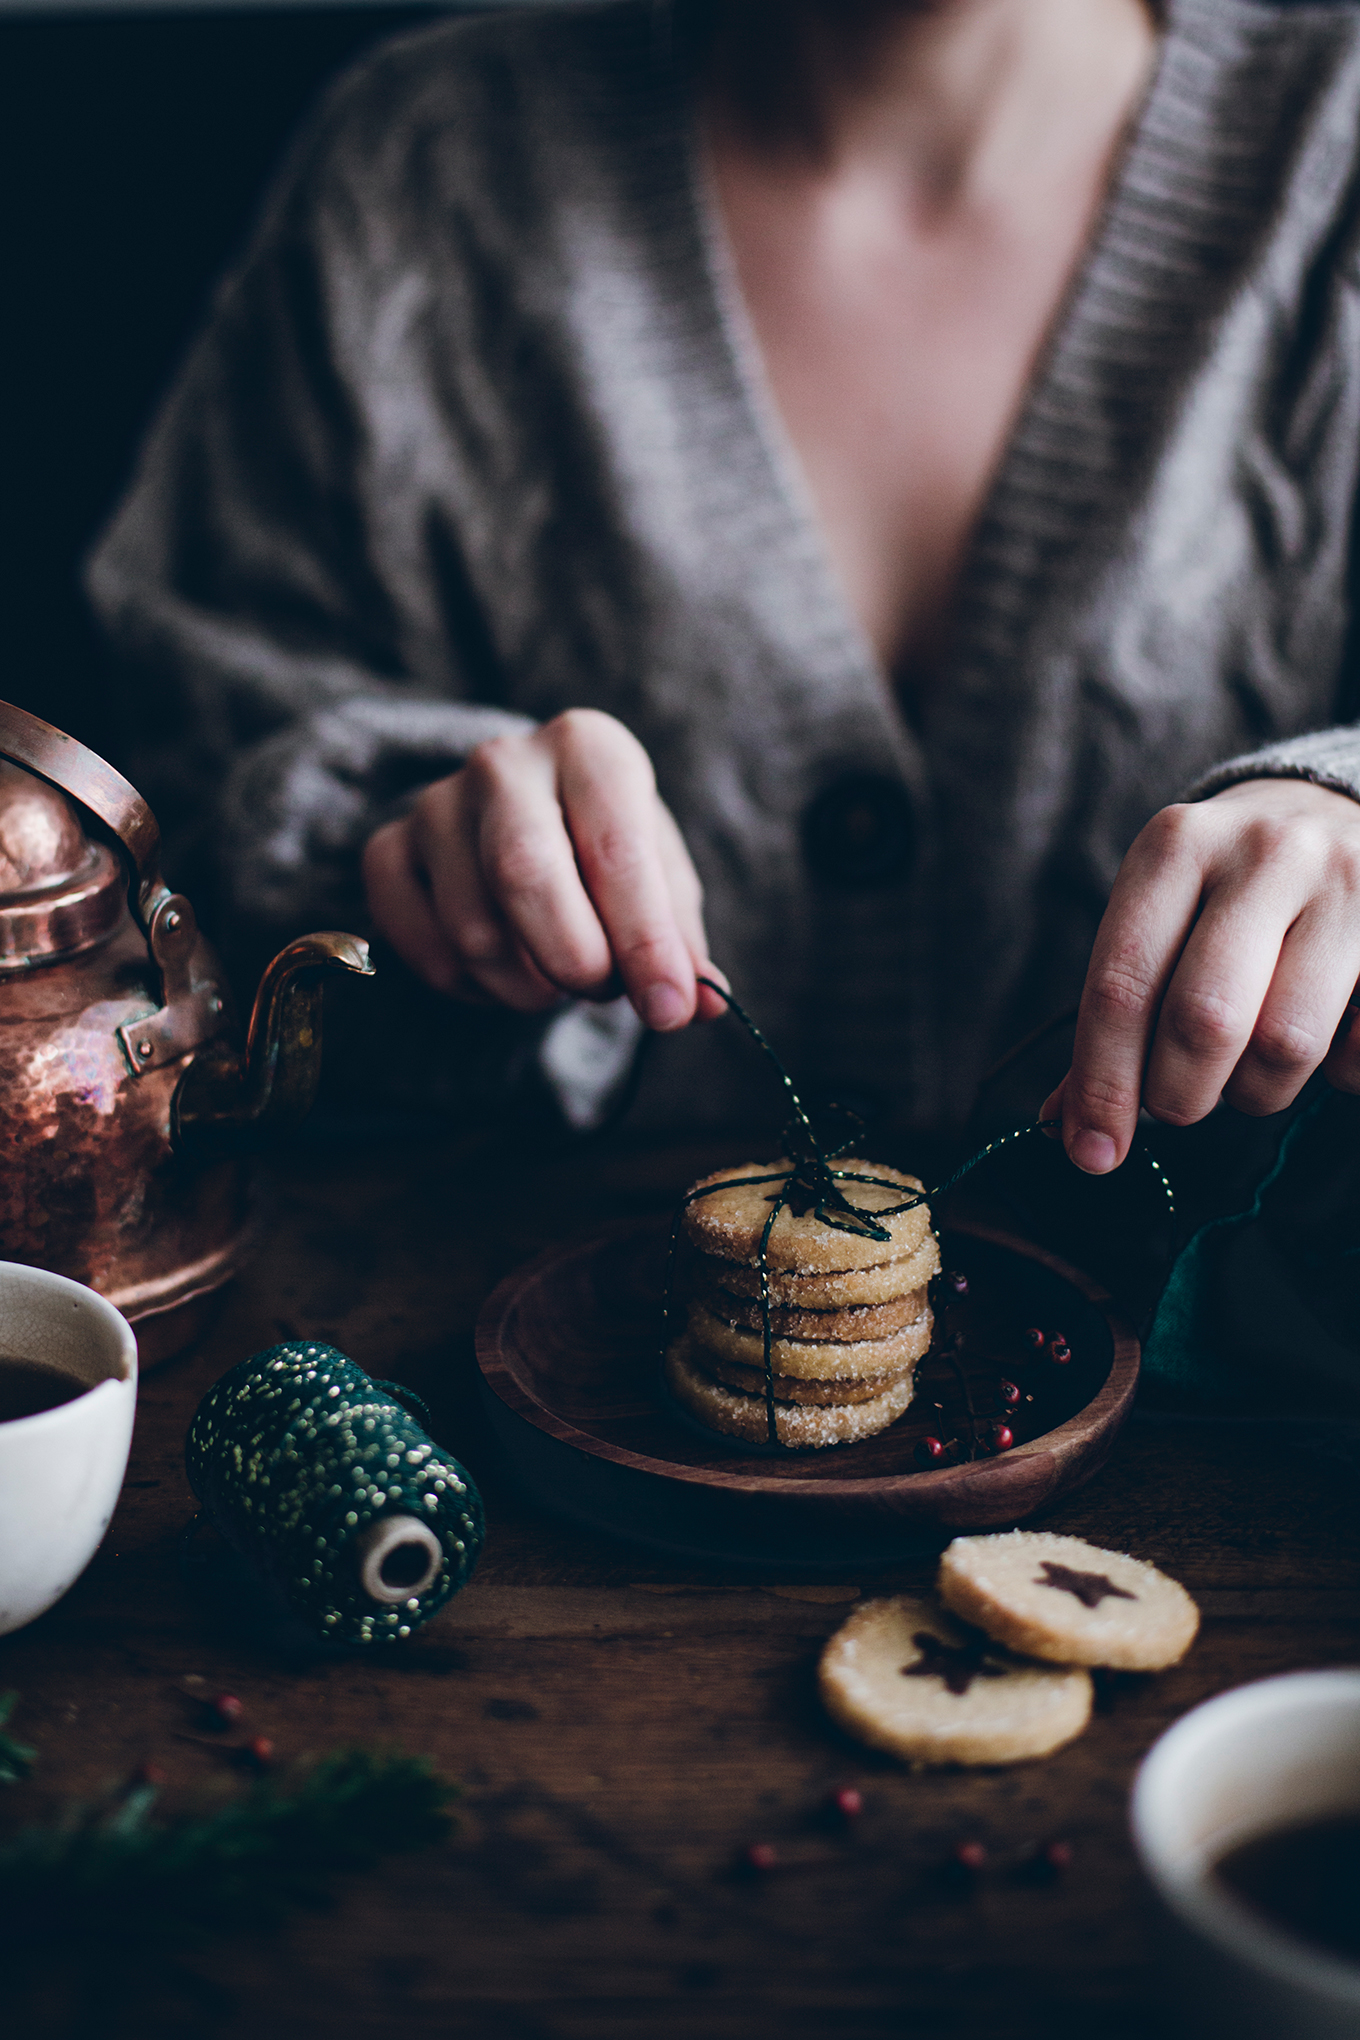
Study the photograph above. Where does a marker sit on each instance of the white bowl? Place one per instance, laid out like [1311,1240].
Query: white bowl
[60,1470]
[1275,1754]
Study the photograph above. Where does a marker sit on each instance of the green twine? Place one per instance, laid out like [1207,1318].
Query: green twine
[294,1454]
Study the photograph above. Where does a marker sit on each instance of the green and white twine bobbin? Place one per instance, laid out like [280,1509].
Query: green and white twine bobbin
[327,1486]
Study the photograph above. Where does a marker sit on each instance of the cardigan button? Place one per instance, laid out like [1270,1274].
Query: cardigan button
[859,832]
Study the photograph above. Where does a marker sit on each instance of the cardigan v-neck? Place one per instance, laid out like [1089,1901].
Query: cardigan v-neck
[473,435]
[772,426]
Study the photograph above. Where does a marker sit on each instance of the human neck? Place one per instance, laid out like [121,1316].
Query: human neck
[956,98]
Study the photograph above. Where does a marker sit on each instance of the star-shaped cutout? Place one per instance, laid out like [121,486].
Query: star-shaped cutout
[1090,1588]
[957,1665]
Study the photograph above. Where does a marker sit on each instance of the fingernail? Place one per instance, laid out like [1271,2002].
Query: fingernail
[664,1007]
[1092,1151]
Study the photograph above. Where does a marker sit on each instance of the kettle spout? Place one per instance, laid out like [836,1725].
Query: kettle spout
[226,1100]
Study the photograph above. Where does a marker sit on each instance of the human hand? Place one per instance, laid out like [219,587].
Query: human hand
[1224,965]
[547,867]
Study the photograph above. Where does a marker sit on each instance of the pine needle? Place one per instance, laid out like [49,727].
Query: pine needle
[16,1758]
[116,1873]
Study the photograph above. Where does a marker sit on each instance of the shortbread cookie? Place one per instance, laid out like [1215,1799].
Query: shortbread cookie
[814,1359]
[903,1676]
[856,1321]
[746,1416]
[1066,1601]
[729,1223]
[794,1387]
[877,1284]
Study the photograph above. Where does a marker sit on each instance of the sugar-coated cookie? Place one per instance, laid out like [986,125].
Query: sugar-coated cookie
[815,1360]
[729,1223]
[854,1321]
[903,1676]
[801,1424]
[880,1283]
[794,1387]
[1068,1602]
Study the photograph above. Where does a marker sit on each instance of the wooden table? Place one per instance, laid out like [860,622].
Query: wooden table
[623,1727]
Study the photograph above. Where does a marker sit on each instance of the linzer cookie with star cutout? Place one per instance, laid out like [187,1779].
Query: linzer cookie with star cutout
[1067,1602]
[845,1298]
[904,1676]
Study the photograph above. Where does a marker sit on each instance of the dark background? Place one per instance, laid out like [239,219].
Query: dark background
[133,155]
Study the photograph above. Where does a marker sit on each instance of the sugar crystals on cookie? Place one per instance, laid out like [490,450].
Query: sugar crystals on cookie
[902,1675]
[849,1313]
[1068,1602]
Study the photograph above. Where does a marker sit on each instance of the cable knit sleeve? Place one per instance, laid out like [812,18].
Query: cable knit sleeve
[1329,758]
[285,585]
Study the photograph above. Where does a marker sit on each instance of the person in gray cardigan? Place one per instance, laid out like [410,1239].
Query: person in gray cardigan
[876,459]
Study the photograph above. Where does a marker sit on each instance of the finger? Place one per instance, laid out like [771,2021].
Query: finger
[682,883]
[518,849]
[1312,983]
[1213,1001]
[1151,911]
[1052,1109]
[1342,1065]
[687,896]
[611,808]
[445,822]
[402,910]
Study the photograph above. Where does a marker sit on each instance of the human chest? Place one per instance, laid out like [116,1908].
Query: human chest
[897,350]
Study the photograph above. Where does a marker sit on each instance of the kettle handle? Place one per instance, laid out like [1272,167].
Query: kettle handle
[80,772]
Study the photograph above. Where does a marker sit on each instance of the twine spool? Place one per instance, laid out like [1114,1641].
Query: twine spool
[329,1488]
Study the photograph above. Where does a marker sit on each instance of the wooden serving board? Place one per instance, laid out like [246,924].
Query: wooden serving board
[568,1348]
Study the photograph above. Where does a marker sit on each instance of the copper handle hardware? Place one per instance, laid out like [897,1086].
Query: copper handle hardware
[76,770]
[194,1006]
[225,1095]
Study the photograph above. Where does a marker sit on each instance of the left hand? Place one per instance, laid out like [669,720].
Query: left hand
[1223,967]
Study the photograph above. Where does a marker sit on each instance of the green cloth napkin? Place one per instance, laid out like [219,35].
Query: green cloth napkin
[1263,1304]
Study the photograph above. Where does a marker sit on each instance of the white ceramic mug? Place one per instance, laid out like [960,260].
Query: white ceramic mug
[61,1469]
[1272,1755]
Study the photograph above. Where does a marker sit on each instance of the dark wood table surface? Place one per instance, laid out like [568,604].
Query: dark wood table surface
[622,1726]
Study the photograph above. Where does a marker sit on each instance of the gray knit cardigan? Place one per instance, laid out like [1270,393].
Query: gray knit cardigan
[477,431]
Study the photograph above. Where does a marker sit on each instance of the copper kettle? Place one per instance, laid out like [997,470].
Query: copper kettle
[127,1100]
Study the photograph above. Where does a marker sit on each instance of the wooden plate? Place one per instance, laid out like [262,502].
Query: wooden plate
[568,1350]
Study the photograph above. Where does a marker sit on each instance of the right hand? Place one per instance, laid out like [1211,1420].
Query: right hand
[548,867]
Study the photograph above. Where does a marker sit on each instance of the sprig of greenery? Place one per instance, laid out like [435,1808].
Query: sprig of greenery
[115,1873]
[16,1758]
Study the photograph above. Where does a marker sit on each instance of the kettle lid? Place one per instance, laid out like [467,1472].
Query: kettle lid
[60,893]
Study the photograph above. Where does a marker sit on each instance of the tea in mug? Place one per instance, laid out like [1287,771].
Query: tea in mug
[27,1386]
[1305,1879]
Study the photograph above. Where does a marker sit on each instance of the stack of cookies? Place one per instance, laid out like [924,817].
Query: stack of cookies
[849,1316]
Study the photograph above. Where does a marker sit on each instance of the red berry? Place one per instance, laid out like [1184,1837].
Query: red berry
[1003,1437]
[762,1857]
[1059,1350]
[928,1450]
[224,1709]
[258,1753]
[1035,1337]
[971,1856]
[148,1774]
[1058,1856]
[848,1803]
[1010,1394]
